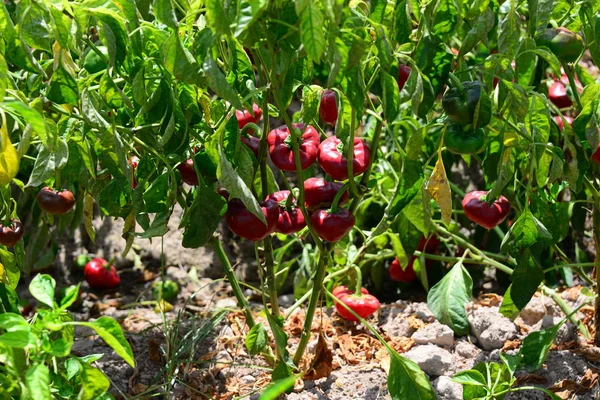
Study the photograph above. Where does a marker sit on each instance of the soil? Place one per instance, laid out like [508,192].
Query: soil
[214,362]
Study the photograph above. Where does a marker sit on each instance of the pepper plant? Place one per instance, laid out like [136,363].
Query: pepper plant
[365,107]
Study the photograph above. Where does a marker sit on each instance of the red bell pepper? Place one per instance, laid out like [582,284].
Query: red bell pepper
[334,162]
[319,193]
[291,220]
[364,305]
[247,225]
[281,151]
[100,275]
[328,107]
[482,213]
[332,226]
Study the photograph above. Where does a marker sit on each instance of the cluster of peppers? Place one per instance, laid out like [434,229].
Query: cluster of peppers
[328,219]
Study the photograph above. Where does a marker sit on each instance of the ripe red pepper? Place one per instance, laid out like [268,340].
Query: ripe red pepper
[335,163]
[100,275]
[253,143]
[290,220]
[133,162]
[188,174]
[560,123]
[558,95]
[428,245]
[332,226]
[328,107]
[244,117]
[55,202]
[596,155]
[364,305]
[10,235]
[281,152]
[406,275]
[480,212]
[247,225]
[403,74]
[319,193]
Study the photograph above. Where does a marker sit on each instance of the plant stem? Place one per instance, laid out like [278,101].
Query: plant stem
[567,310]
[569,72]
[235,285]
[312,305]
[350,155]
[365,178]
[596,226]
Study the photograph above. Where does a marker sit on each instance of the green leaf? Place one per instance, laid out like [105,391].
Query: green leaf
[9,301]
[63,88]
[525,62]
[525,232]
[311,96]
[539,15]
[470,377]
[508,308]
[311,30]
[218,83]
[110,331]
[391,97]
[278,388]
[202,219]
[248,13]
[536,346]
[482,25]
[445,18]
[163,9]
[70,297]
[402,26]
[18,339]
[406,380]
[42,289]
[13,322]
[93,383]
[508,39]
[256,339]
[232,181]
[525,280]
[48,162]
[37,381]
[217,18]
[30,116]
[447,299]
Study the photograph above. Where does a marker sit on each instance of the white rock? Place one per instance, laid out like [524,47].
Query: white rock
[433,360]
[398,326]
[286,300]
[465,349]
[491,328]
[447,389]
[435,333]
[538,308]
[248,379]
[422,311]
[227,302]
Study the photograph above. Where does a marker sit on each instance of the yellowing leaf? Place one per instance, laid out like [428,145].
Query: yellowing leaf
[3,277]
[9,159]
[439,189]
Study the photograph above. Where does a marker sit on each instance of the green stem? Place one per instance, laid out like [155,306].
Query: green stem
[350,155]
[367,174]
[338,196]
[456,82]
[566,310]
[235,285]
[569,72]
[358,290]
[312,305]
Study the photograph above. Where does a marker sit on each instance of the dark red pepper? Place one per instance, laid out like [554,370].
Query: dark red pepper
[247,225]
[596,155]
[100,275]
[319,193]
[188,174]
[281,152]
[403,74]
[253,143]
[428,245]
[334,162]
[290,220]
[244,117]
[406,275]
[328,107]
[133,162]
[10,235]
[55,201]
[558,95]
[479,211]
[332,226]
[364,305]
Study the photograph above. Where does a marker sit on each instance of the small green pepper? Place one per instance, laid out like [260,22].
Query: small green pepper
[93,63]
[165,290]
[566,45]
[460,139]
[468,104]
